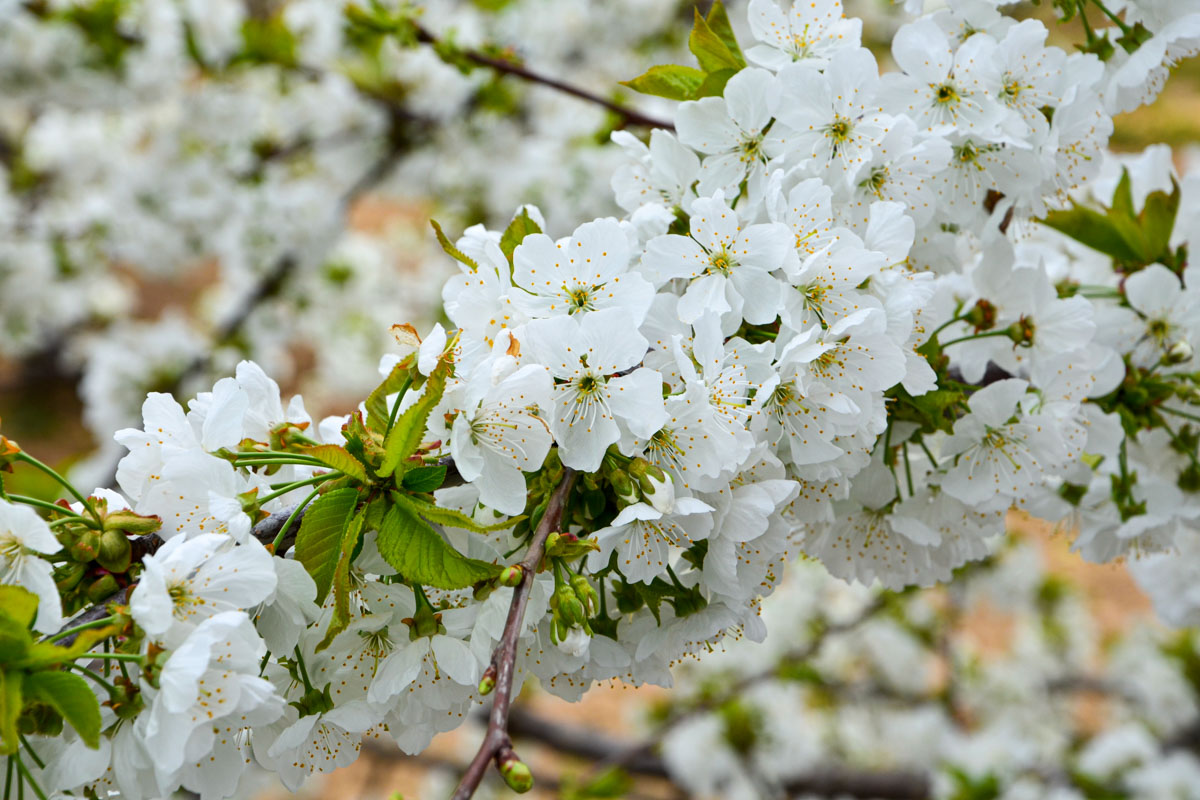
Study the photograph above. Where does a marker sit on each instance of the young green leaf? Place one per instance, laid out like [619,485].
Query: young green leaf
[320,536]
[421,556]
[671,81]
[718,23]
[341,579]
[1097,231]
[340,459]
[424,479]
[710,50]
[378,412]
[71,696]
[405,436]
[448,516]
[714,83]
[521,226]
[451,250]
[18,604]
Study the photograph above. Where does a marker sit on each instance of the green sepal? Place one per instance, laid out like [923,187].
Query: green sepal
[10,709]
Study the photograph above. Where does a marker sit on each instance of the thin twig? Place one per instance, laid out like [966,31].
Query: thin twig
[497,744]
[628,115]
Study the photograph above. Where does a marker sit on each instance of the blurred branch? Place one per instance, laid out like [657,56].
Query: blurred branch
[629,116]
[825,781]
[497,744]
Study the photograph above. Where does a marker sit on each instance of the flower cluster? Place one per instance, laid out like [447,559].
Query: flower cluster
[850,316]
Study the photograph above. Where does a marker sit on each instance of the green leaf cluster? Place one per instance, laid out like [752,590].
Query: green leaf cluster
[715,47]
[1133,240]
[36,695]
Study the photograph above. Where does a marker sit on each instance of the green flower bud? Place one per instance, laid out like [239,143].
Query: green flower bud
[656,485]
[488,682]
[1178,353]
[511,576]
[115,551]
[624,488]
[567,607]
[586,594]
[102,588]
[136,524]
[516,773]
[69,575]
[86,546]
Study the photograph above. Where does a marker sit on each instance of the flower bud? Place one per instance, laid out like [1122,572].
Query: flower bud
[86,547]
[126,520]
[488,682]
[586,594]
[1178,353]
[102,588]
[624,488]
[656,485]
[115,551]
[69,575]
[511,576]
[515,773]
[567,607]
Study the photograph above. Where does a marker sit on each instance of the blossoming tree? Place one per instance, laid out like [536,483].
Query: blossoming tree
[849,316]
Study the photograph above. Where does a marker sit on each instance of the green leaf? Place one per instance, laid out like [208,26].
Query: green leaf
[405,436]
[718,23]
[521,226]
[72,698]
[1098,231]
[448,516]
[1122,202]
[709,48]
[1158,222]
[341,579]
[10,709]
[340,459]
[378,412]
[18,604]
[320,536]
[451,250]
[421,556]
[424,479]
[671,81]
[714,83]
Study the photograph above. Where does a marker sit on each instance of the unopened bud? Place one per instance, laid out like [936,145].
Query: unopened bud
[624,488]
[1179,352]
[69,575]
[115,551]
[488,682]
[567,607]
[586,594]
[511,576]
[86,547]
[656,485]
[126,520]
[516,773]
[102,588]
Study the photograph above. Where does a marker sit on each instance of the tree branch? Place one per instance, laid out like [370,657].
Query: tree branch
[828,781]
[628,115]
[497,744]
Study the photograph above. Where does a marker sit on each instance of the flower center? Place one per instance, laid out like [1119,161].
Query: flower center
[579,299]
[947,94]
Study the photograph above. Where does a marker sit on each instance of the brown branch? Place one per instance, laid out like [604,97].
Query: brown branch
[628,115]
[497,744]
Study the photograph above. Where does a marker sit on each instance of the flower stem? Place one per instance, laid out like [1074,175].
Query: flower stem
[291,519]
[33,462]
[974,336]
[97,623]
[297,484]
